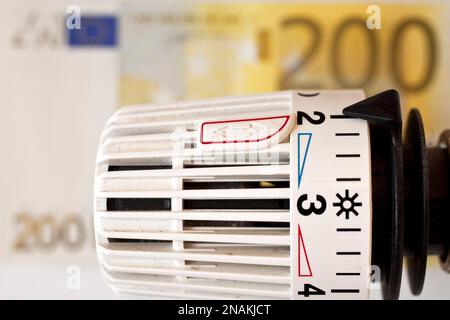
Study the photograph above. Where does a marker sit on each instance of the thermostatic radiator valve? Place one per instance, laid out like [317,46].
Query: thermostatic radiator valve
[288,195]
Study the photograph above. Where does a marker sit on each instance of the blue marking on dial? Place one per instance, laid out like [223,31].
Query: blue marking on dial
[301,165]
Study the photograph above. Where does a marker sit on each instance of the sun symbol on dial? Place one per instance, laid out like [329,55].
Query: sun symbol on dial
[347,204]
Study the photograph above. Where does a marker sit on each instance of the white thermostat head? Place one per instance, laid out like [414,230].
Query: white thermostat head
[255,197]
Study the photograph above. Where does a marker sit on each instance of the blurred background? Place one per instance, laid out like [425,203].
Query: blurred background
[59,84]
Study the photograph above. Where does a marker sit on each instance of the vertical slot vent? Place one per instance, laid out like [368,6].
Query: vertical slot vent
[124,240]
[138,204]
[237,204]
[132,168]
[192,185]
[234,224]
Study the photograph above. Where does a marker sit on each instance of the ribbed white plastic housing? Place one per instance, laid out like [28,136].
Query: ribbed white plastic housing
[174,220]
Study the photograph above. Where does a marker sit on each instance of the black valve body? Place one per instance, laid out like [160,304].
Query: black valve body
[410,191]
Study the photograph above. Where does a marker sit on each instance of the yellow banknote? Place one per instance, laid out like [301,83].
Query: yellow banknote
[194,50]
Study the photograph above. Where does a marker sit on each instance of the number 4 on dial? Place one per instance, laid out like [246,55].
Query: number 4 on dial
[310,290]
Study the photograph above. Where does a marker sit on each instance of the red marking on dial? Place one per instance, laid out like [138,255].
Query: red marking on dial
[202,141]
[303,271]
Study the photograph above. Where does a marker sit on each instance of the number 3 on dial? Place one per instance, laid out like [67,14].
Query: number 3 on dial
[312,208]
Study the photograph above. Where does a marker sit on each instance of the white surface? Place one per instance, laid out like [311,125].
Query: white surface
[319,169]
[36,280]
[54,101]
[257,267]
